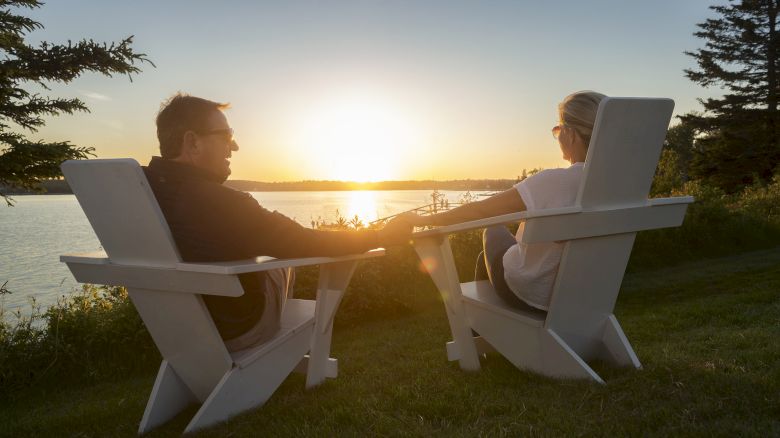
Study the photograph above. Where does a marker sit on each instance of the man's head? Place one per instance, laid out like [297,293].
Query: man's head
[195,131]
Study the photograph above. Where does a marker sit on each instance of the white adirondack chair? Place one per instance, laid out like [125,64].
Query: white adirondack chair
[197,368]
[611,207]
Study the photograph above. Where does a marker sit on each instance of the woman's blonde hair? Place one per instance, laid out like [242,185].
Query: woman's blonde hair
[578,111]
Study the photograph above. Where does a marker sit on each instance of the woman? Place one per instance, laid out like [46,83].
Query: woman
[523,274]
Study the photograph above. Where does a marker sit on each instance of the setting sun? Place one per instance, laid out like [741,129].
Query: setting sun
[358,138]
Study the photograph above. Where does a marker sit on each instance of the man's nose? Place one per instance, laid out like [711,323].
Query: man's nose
[233,145]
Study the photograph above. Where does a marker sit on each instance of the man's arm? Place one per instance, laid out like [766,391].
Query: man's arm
[273,234]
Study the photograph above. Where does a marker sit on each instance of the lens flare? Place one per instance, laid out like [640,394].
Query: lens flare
[428,264]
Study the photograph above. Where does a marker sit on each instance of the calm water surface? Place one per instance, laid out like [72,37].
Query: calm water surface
[39,228]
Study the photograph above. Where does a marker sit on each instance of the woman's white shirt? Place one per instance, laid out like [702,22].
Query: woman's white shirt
[530,269]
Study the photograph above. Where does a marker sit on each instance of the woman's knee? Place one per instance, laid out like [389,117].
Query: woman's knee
[480,268]
[493,232]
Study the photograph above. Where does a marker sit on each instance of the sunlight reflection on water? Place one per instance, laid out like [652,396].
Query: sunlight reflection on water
[363,205]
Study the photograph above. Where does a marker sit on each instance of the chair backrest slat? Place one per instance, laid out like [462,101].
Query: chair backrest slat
[627,139]
[120,206]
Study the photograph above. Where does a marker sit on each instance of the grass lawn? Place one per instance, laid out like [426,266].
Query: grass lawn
[707,334]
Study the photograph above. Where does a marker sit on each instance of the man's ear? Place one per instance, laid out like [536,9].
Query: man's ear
[190,142]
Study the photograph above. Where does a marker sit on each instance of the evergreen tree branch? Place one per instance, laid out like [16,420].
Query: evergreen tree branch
[24,163]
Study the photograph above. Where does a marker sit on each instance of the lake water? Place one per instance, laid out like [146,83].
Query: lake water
[39,228]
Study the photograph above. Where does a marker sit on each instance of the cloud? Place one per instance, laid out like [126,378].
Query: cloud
[113,124]
[95,96]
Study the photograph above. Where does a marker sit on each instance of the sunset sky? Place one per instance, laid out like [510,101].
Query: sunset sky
[374,90]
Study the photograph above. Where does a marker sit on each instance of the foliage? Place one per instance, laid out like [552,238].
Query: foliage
[738,145]
[670,173]
[92,334]
[717,224]
[740,54]
[24,163]
[672,170]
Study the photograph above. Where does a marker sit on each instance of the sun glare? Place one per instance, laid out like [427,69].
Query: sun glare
[357,139]
[363,205]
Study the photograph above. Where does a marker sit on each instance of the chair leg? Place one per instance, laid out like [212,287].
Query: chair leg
[436,256]
[536,349]
[483,347]
[169,397]
[333,281]
[241,389]
[331,371]
[559,360]
[618,349]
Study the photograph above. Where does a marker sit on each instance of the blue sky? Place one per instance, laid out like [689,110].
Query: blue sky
[374,89]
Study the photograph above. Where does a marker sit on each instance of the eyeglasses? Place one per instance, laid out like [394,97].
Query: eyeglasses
[227,133]
[556,130]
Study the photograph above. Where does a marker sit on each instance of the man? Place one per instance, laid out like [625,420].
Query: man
[210,222]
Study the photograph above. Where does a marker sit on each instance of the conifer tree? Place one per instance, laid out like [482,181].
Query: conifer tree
[739,132]
[23,162]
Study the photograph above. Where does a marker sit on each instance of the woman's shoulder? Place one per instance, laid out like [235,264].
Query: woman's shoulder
[573,171]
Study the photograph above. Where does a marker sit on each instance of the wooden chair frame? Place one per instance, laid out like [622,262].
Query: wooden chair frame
[196,366]
[599,231]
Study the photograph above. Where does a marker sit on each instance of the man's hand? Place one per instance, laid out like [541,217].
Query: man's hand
[415,219]
[398,231]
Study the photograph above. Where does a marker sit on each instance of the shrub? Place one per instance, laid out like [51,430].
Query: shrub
[91,334]
[717,224]
[387,286]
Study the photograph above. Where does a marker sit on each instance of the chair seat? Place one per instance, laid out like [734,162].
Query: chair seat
[297,316]
[482,294]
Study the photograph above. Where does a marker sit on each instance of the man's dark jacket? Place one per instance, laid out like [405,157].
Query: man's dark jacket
[212,223]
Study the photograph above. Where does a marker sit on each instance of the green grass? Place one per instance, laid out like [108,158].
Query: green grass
[706,332]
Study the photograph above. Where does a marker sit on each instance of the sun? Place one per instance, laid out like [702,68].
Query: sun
[357,139]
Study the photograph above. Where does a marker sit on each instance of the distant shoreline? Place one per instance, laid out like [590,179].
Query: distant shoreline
[60,187]
[330,186]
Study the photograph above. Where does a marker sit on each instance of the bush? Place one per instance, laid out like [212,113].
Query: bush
[382,287]
[717,224]
[94,333]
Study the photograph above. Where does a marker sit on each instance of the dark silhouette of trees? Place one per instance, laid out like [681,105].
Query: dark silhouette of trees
[737,142]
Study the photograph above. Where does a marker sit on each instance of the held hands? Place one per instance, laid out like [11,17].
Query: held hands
[415,219]
[397,231]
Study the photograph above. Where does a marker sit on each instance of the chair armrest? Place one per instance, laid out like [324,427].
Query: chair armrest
[662,212]
[267,263]
[199,278]
[654,214]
